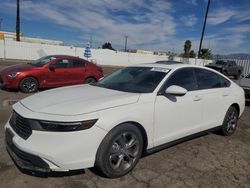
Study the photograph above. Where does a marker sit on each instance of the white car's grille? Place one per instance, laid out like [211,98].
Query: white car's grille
[20,125]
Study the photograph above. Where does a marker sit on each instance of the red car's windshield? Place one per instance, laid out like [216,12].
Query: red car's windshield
[42,61]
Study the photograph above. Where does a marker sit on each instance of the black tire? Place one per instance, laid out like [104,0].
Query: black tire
[230,121]
[236,77]
[119,151]
[90,80]
[28,85]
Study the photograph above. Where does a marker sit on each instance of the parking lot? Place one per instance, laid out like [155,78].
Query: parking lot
[208,161]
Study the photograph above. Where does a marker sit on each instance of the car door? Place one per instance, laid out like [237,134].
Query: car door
[178,116]
[216,97]
[58,73]
[77,71]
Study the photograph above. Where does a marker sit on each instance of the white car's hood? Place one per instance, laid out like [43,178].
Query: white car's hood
[76,100]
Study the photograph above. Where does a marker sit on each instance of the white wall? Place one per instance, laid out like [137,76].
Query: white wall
[193,61]
[1,48]
[32,51]
[109,57]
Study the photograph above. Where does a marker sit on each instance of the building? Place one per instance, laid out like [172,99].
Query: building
[5,35]
[144,52]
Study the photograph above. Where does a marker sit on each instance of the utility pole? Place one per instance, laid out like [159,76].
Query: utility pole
[17,20]
[126,42]
[91,40]
[203,30]
[1,20]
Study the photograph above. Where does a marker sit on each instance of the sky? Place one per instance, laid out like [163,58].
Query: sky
[157,25]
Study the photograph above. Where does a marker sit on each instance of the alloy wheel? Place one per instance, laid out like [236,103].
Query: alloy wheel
[231,122]
[124,151]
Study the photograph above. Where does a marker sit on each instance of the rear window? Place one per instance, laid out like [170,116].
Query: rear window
[208,80]
[78,63]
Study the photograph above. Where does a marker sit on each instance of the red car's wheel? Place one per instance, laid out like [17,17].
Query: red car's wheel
[28,85]
[90,80]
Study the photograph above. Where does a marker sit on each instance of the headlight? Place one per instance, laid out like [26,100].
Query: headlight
[13,74]
[62,126]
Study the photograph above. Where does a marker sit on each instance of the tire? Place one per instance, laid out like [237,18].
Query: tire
[90,80]
[230,121]
[225,73]
[237,76]
[28,85]
[119,151]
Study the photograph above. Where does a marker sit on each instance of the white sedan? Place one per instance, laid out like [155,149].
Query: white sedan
[109,125]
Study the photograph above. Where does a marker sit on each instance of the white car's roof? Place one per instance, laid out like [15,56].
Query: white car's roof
[167,66]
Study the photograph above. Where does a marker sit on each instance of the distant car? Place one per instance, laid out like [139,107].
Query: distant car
[49,71]
[111,123]
[228,68]
[245,84]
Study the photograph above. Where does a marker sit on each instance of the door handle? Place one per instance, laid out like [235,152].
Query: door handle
[225,94]
[197,98]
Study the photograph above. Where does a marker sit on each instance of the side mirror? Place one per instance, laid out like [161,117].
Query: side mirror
[176,90]
[52,67]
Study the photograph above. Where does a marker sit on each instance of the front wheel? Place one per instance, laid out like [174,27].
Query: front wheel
[28,85]
[120,151]
[230,121]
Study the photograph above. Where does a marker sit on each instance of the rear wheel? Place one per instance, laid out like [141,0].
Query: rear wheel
[90,80]
[230,122]
[120,151]
[28,85]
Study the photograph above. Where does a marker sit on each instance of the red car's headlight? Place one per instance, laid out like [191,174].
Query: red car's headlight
[13,74]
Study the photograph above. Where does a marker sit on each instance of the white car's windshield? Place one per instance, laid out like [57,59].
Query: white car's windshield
[134,79]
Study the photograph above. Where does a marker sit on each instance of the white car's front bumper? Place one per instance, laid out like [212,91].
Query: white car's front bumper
[60,151]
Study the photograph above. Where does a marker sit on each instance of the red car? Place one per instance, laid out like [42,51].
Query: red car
[49,71]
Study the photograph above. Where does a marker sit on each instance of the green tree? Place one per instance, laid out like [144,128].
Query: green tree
[192,54]
[107,45]
[206,53]
[187,48]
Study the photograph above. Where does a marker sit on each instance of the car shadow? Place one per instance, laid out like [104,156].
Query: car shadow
[247,103]
[9,90]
